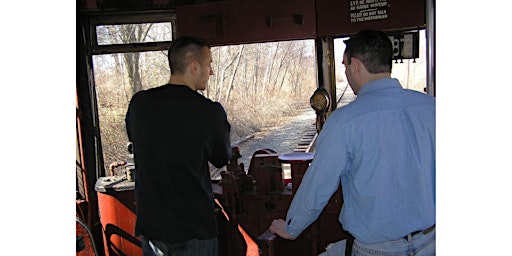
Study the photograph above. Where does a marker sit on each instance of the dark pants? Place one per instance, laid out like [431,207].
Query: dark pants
[192,247]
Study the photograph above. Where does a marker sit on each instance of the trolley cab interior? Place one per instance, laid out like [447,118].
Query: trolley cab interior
[248,197]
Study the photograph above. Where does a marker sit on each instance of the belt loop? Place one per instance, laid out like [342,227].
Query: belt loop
[428,230]
[425,232]
[350,244]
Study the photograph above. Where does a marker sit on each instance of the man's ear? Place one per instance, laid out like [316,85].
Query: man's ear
[356,64]
[194,67]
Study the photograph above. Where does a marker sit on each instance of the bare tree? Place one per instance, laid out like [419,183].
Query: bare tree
[126,34]
[256,69]
[222,66]
[284,59]
[268,70]
[235,69]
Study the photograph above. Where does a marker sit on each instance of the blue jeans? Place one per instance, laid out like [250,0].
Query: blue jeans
[418,245]
[192,247]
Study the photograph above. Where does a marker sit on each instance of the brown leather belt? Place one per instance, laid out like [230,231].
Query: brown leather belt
[426,231]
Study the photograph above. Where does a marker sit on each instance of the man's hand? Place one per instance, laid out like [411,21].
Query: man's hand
[279,227]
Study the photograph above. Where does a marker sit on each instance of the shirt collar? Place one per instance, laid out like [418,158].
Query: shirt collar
[378,84]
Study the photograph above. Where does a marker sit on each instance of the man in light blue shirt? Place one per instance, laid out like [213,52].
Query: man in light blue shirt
[381,147]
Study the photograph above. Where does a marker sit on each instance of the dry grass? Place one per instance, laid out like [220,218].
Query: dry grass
[262,116]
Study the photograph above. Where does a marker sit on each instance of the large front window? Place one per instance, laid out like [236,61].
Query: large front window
[260,85]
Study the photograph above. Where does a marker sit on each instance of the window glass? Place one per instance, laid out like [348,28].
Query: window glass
[412,73]
[263,88]
[134,33]
[118,77]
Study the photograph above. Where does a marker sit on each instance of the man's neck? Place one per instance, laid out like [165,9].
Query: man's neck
[372,77]
[177,79]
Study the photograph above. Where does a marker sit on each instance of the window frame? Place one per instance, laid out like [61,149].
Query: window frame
[121,19]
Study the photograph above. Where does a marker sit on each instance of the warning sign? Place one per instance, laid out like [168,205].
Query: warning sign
[365,10]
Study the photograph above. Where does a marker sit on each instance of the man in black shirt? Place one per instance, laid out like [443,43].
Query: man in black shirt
[175,132]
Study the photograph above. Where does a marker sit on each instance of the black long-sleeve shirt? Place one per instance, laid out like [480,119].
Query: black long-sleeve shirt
[175,132]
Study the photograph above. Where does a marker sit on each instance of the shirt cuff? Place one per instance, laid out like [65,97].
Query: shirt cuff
[293,232]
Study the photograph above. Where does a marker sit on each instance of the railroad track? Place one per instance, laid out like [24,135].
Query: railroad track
[307,142]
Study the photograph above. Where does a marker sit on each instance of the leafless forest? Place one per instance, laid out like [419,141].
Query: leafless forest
[257,84]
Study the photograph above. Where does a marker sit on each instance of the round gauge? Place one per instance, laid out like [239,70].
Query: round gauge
[319,100]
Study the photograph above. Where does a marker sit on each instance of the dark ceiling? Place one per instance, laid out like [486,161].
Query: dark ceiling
[125,5]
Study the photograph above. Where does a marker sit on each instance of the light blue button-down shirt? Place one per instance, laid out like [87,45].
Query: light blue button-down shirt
[382,149]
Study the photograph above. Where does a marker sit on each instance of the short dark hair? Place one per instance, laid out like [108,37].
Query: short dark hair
[184,50]
[373,48]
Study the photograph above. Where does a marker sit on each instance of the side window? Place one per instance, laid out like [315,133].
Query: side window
[412,73]
[128,58]
[133,33]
